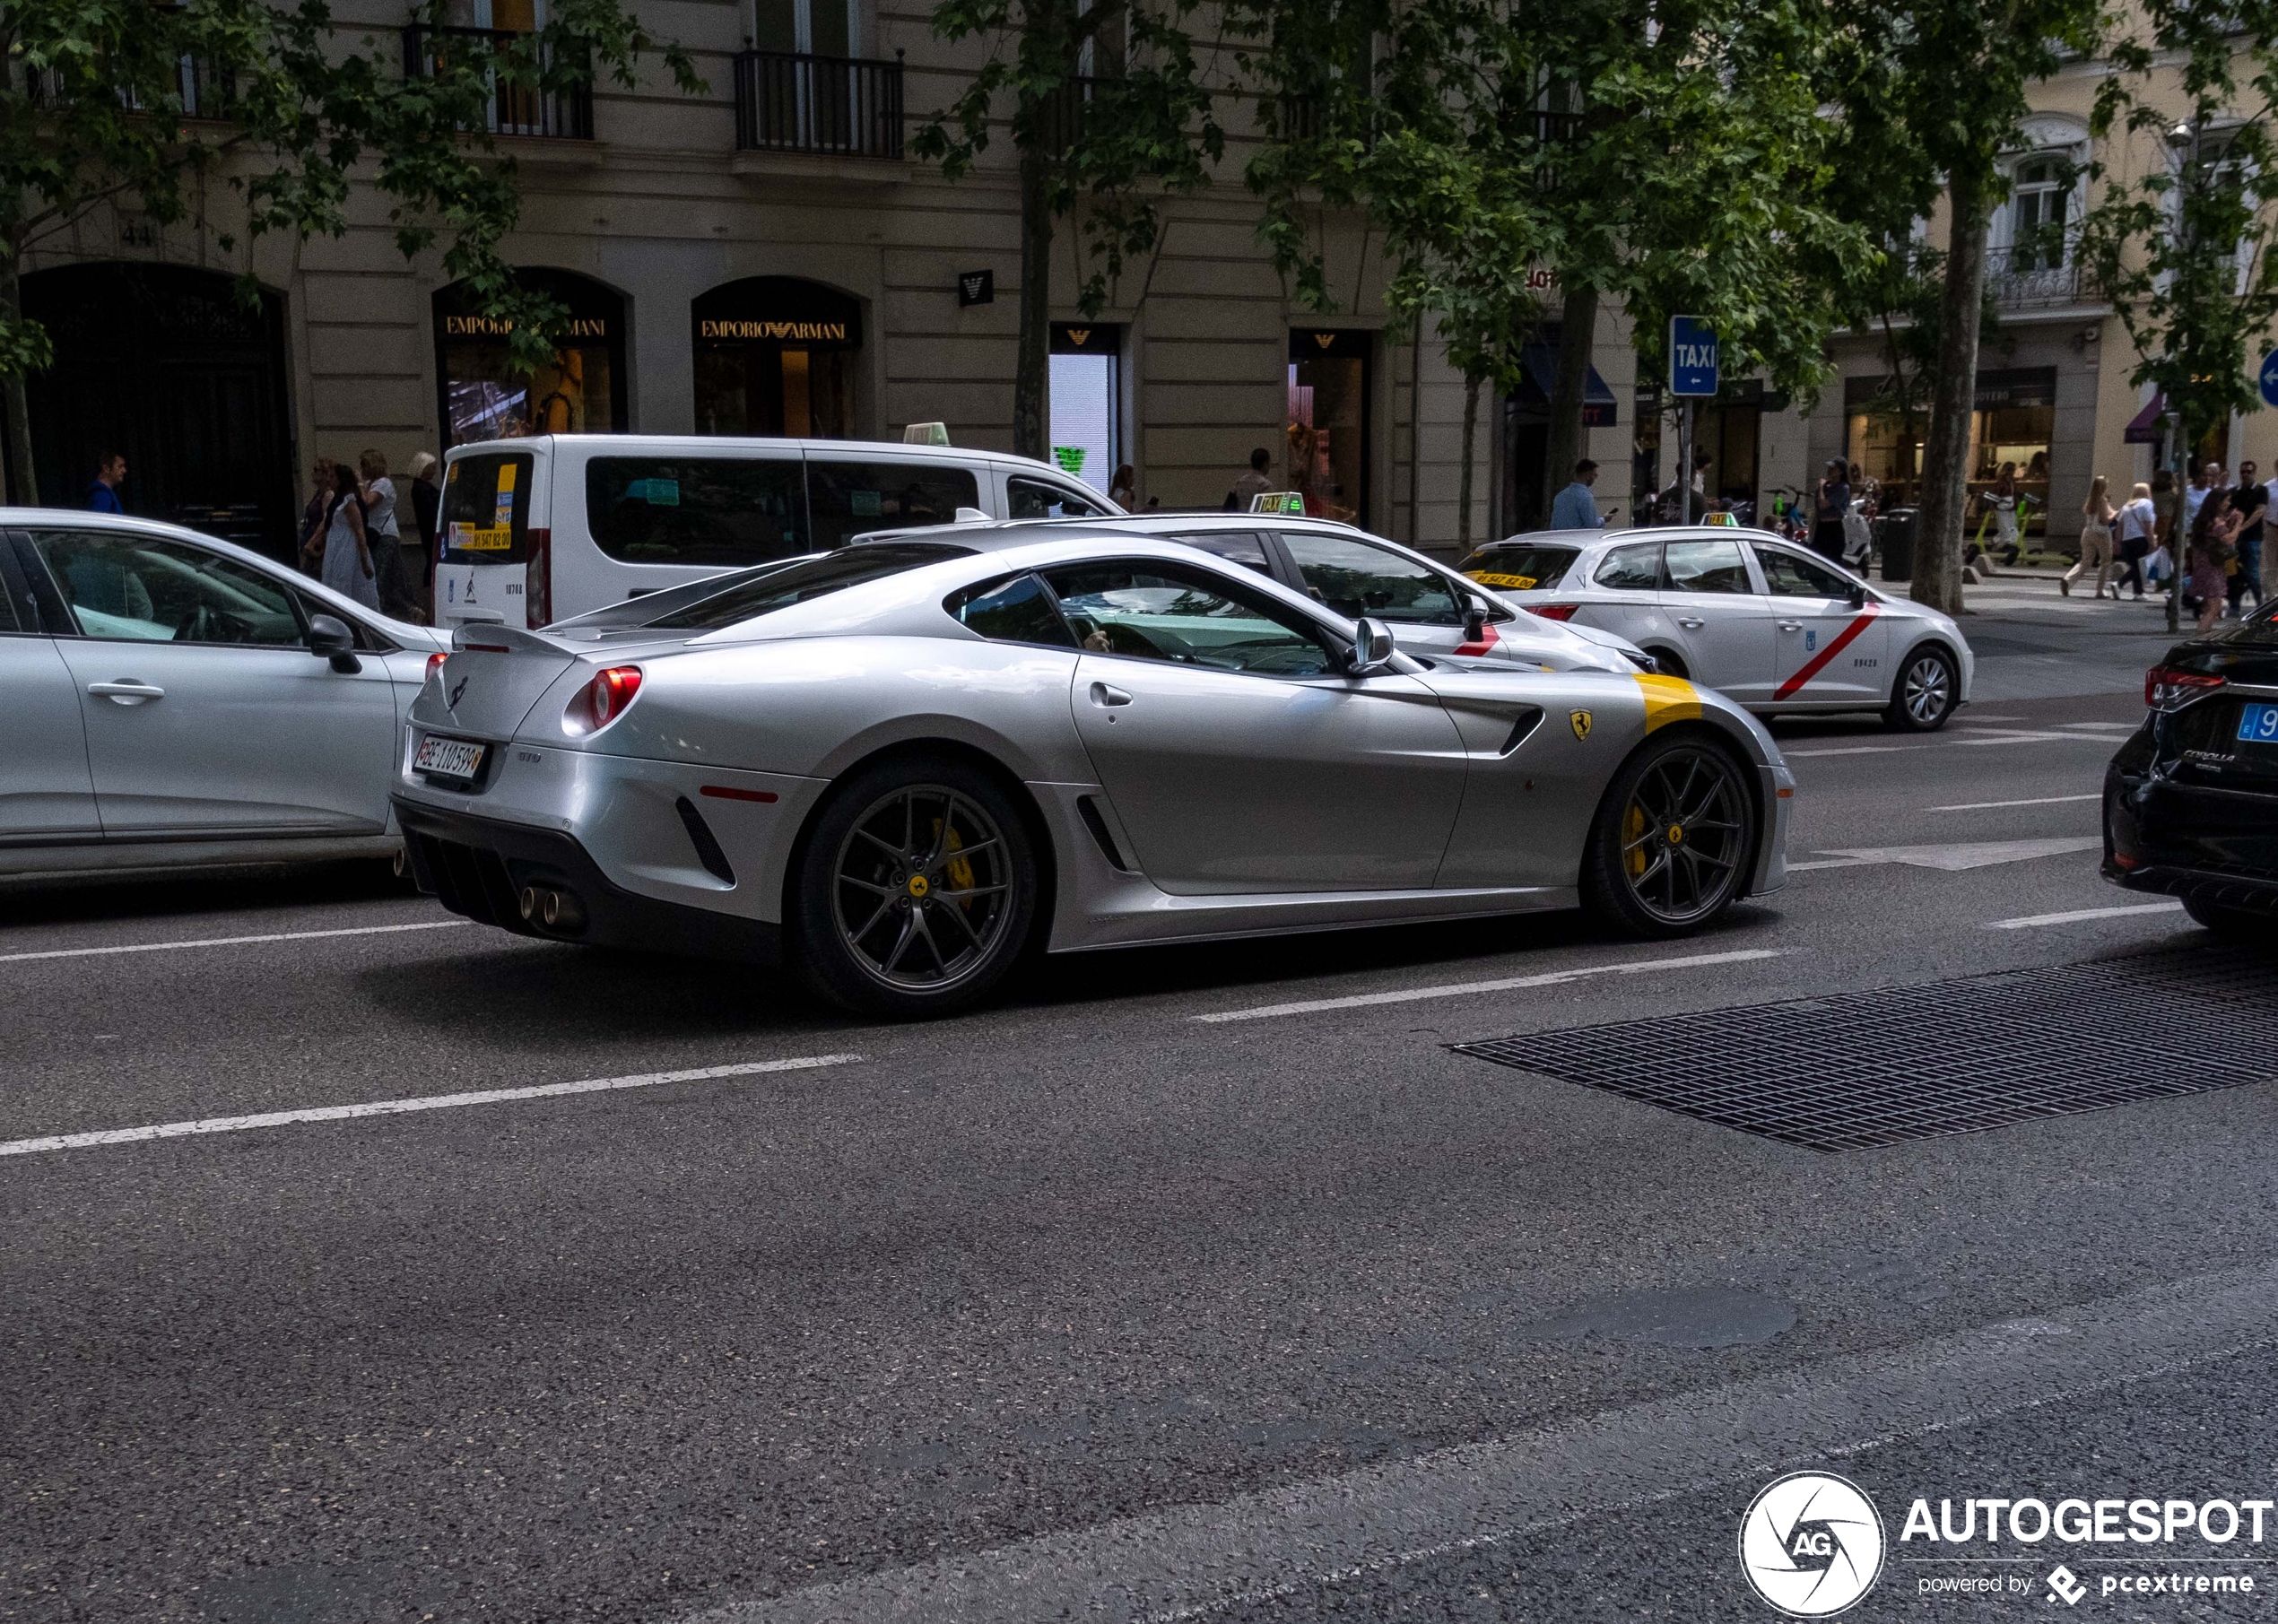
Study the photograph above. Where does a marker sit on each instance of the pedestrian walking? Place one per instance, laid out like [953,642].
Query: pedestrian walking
[2214,553]
[1255,483]
[110,472]
[2139,518]
[2195,495]
[427,506]
[2251,500]
[341,551]
[1574,508]
[2000,502]
[2097,517]
[1830,502]
[385,535]
[312,514]
[1123,490]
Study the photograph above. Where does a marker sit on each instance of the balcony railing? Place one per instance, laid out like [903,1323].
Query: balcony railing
[203,90]
[513,110]
[2022,279]
[797,103]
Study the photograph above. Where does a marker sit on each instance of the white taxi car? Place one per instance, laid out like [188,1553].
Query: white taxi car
[1764,622]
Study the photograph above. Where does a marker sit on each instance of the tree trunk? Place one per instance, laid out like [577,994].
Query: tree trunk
[1031,421]
[23,480]
[1576,342]
[1462,484]
[1946,457]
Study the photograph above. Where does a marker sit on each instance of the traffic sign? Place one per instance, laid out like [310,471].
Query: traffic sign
[1693,356]
[2269,378]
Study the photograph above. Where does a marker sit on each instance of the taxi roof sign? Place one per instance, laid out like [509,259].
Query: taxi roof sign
[926,434]
[1278,501]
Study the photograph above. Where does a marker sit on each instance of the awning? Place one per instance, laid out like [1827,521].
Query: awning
[2144,428]
[1539,363]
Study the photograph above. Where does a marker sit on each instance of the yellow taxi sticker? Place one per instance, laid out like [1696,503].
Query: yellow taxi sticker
[1517,583]
[482,538]
[1667,700]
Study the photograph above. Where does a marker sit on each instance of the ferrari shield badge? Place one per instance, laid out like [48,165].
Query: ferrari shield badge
[1581,720]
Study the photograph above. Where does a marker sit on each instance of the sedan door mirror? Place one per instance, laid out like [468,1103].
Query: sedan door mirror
[1373,648]
[1474,622]
[330,638]
[1856,598]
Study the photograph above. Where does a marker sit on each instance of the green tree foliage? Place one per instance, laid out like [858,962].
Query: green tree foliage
[155,108]
[1108,112]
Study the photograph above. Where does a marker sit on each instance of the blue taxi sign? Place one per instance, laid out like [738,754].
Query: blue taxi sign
[1693,356]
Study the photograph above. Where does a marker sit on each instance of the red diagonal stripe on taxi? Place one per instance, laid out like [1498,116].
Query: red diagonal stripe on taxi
[1818,662]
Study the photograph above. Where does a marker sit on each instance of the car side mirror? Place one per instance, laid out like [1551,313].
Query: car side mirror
[1373,648]
[1475,622]
[330,638]
[1856,596]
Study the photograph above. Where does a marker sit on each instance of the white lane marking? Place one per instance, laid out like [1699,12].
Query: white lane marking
[1855,750]
[2036,801]
[2170,905]
[397,1108]
[1972,854]
[175,947]
[1464,989]
[2105,726]
[1805,868]
[1972,736]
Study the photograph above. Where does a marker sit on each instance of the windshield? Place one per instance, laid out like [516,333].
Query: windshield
[1519,566]
[735,598]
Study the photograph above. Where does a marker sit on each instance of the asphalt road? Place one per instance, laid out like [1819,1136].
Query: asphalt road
[1093,1305]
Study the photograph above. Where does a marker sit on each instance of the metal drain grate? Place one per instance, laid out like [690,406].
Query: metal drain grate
[1855,1070]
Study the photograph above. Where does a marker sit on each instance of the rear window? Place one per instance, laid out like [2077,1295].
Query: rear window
[768,589]
[723,513]
[486,508]
[847,500]
[1519,566]
[1032,499]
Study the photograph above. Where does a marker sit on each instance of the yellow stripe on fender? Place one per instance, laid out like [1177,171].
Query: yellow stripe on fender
[1667,700]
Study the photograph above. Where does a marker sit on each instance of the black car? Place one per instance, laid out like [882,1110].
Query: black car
[2191,800]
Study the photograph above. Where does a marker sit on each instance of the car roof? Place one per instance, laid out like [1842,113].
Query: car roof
[685,444]
[1638,532]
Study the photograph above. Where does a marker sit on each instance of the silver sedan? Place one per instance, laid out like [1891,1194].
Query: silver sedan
[175,700]
[1765,622]
[897,766]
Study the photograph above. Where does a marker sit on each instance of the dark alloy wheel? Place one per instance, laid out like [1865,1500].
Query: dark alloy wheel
[1927,689]
[915,891]
[1675,839]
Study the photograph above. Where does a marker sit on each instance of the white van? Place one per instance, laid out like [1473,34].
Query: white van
[538,529]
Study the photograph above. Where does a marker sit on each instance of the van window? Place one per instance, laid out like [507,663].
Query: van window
[847,500]
[486,508]
[722,513]
[1034,499]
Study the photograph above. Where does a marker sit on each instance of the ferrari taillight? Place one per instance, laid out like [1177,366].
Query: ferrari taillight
[602,701]
[435,663]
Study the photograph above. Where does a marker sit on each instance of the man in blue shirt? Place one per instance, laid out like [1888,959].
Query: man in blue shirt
[102,496]
[1574,509]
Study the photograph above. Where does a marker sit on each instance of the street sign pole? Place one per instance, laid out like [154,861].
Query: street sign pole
[1694,362]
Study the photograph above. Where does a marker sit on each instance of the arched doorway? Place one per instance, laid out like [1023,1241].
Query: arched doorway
[775,355]
[484,397]
[167,365]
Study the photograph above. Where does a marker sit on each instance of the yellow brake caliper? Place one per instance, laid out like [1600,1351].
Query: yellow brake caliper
[1632,840]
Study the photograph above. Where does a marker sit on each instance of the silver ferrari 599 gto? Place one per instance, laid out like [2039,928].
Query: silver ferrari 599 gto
[898,766]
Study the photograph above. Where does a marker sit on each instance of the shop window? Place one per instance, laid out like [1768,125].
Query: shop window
[580,391]
[776,356]
[1086,404]
[847,500]
[723,513]
[1325,442]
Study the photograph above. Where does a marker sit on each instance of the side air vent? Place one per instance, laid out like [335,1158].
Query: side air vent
[1089,810]
[706,844]
[1529,720]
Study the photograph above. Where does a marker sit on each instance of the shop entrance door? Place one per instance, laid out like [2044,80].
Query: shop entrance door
[1325,442]
[162,364]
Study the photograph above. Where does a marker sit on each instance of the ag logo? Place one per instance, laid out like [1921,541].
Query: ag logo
[1581,720]
[1812,1544]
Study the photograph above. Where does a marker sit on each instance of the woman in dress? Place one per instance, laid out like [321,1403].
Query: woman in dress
[341,551]
[2214,544]
[2097,514]
[1123,490]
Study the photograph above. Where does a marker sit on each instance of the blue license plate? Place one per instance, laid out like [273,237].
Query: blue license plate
[2259,723]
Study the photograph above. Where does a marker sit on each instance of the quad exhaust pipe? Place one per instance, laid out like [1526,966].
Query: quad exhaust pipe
[551,909]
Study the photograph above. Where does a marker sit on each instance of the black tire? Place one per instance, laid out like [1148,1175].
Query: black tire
[2233,924]
[867,900]
[1644,881]
[1924,693]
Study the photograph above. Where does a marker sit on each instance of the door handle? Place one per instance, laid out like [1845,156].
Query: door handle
[1791,625]
[1691,622]
[1101,694]
[127,692]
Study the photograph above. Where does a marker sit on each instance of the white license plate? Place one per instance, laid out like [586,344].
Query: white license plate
[449,758]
